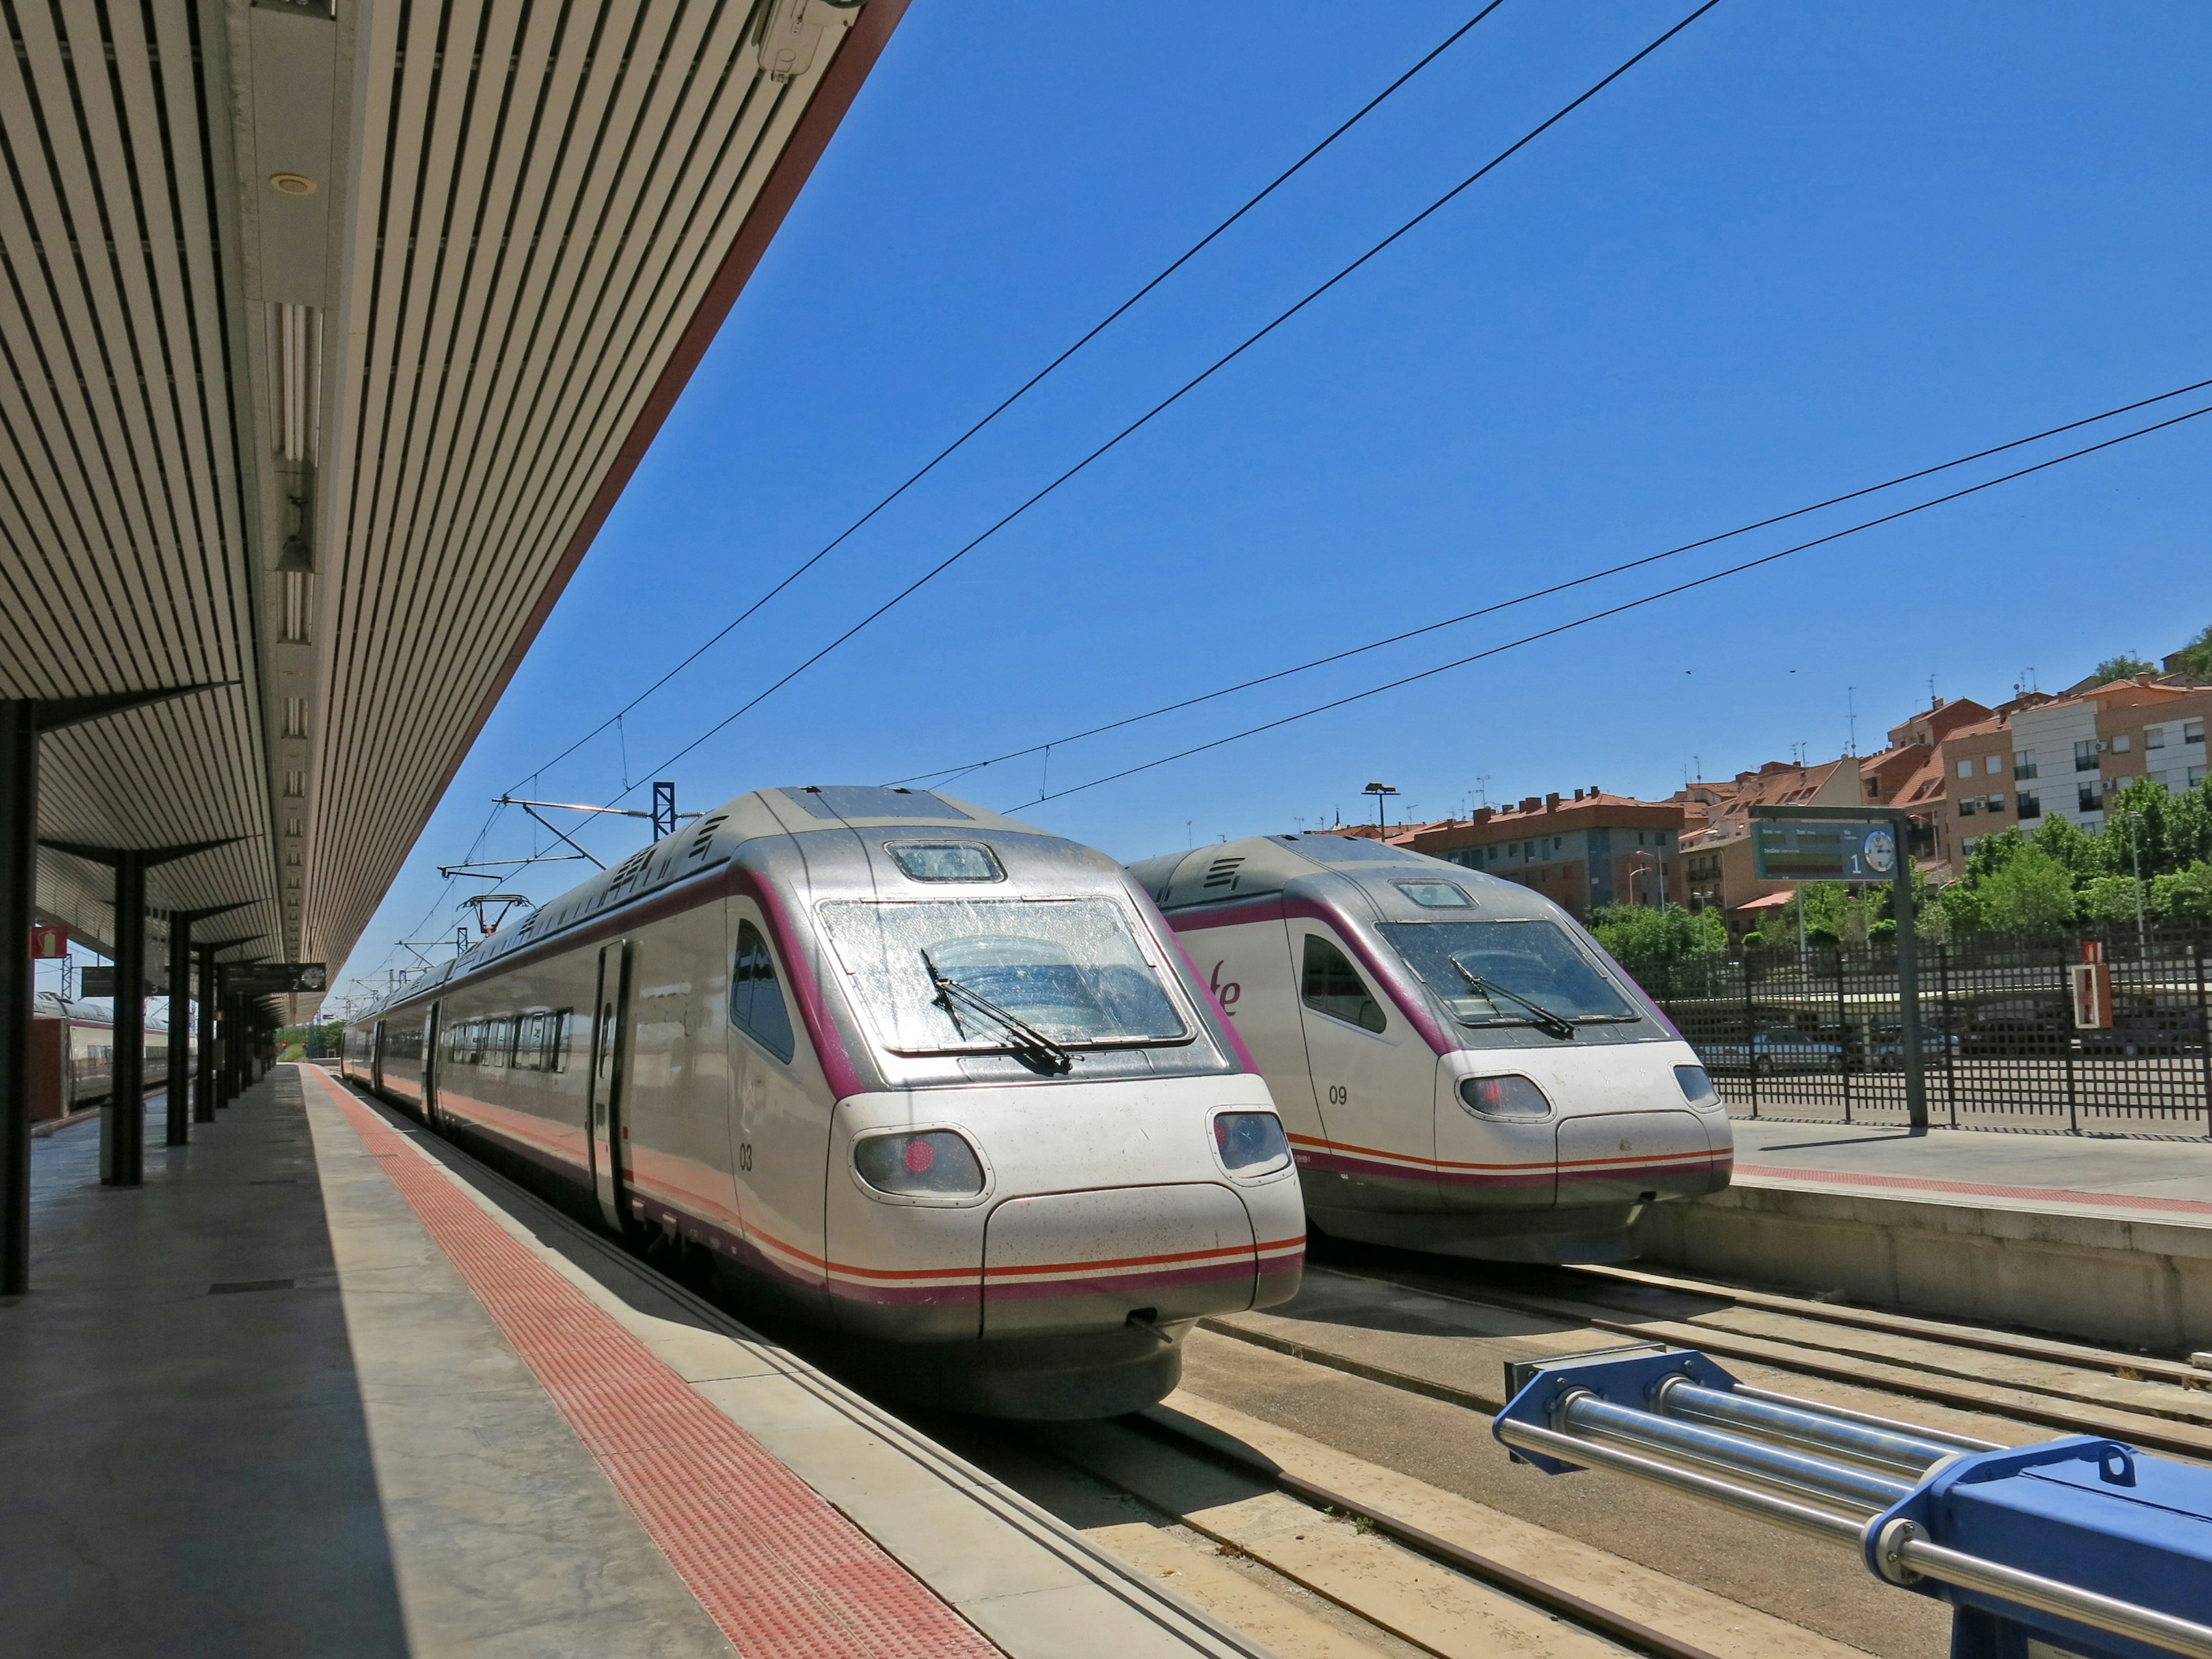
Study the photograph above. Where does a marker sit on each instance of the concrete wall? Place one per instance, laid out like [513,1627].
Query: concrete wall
[2141,1283]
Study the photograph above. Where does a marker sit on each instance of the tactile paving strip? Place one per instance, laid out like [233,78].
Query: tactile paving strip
[784,1574]
[1976,1189]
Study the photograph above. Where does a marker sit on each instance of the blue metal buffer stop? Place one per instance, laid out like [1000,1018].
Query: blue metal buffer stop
[2074,1548]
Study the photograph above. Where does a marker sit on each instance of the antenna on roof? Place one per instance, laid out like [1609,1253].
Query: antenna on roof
[1852,714]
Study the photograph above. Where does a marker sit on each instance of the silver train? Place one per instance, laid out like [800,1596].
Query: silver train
[1463,1069]
[936,1080]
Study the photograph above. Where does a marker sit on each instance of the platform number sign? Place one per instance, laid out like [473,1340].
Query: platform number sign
[1797,849]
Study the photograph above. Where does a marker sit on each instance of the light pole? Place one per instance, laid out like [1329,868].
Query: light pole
[2135,855]
[1381,792]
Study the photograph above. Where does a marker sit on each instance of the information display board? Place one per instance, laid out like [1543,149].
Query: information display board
[1813,849]
[271,979]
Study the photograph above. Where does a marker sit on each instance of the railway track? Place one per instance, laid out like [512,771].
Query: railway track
[1400,1589]
[2161,1405]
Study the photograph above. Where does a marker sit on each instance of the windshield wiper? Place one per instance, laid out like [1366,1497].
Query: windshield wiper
[1551,1025]
[1030,1046]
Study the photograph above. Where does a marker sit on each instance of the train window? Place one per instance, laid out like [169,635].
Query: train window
[498,1043]
[542,1042]
[1333,986]
[946,861]
[1069,970]
[756,1006]
[1530,973]
[1436,894]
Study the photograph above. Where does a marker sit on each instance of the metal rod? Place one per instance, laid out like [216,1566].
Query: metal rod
[1584,1413]
[1528,1437]
[2102,1612]
[1910,1456]
[1921,1431]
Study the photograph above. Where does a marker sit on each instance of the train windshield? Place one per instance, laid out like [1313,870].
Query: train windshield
[1509,973]
[1069,970]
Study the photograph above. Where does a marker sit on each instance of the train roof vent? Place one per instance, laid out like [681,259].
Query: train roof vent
[855,800]
[1222,872]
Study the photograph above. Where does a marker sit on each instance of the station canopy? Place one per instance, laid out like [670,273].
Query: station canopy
[334,329]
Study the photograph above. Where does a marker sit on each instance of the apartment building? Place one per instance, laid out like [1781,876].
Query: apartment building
[1584,852]
[1719,864]
[2038,757]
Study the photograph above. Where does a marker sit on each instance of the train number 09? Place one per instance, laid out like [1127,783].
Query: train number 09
[1338,1094]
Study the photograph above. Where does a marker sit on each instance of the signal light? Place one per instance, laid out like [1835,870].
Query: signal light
[932,1163]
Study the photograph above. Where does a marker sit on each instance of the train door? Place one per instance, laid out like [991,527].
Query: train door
[610,1060]
[375,1058]
[432,1031]
[1373,1077]
[782,1128]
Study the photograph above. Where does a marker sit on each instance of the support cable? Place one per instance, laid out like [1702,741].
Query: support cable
[1027,385]
[947,774]
[1599,616]
[1189,386]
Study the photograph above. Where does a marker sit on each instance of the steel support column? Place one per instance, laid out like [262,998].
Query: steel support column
[19,883]
[182,1108]
[123,1120]
[123,1124]
[21,722]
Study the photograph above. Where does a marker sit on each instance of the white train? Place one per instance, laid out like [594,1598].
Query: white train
[1463,1069]
[938,1080]
[73,1053]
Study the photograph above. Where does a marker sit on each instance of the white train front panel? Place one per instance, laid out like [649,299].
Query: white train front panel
[1461,1068]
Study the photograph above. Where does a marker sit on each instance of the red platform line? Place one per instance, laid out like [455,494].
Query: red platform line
[1978,1189]
[783,1574]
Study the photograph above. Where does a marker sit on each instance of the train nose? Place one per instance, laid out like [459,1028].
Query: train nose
[1066,1263]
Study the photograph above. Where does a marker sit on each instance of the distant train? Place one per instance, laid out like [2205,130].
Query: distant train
[939,1081]
[1462,1067]
[73,1055]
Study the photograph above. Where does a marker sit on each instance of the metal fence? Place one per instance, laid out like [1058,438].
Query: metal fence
[1816,1036]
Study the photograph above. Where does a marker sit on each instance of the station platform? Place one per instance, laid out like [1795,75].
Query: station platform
[2125,1179]
[2103,1240]
[320,1385]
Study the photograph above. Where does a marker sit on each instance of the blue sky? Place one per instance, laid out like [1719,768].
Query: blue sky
[1799,250]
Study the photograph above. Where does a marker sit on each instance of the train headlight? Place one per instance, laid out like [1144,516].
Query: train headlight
[1503,1097]
[1250,1143]
[1697,1085]
[934,1163]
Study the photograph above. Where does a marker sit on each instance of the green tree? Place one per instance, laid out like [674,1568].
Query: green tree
[1660,944]
[1992,853]
[2033,894]
[2123,667]
[2080,853]
[2111,899]
[2195,657]
[2185,896]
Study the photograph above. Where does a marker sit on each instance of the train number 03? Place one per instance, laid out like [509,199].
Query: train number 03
[745,1155]
[1338,1094]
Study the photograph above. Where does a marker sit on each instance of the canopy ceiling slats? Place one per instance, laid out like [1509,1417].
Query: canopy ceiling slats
[405,288]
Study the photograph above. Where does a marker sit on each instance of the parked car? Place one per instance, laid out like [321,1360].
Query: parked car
[1776,1049]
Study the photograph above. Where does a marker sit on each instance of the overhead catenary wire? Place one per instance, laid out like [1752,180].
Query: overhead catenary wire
[1026,388]
[1187,386]
[950,772]
[1599,616]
